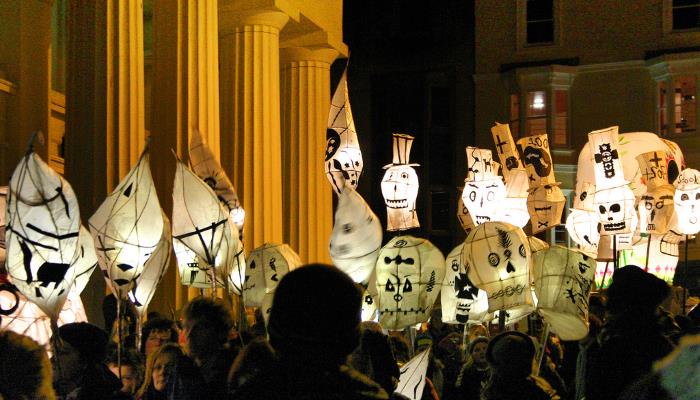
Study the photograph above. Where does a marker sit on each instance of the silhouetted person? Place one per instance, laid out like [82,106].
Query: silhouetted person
[25,371]
[475,372]
[255,357]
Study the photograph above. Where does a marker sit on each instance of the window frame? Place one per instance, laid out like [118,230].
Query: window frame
[522,22]
[665,69]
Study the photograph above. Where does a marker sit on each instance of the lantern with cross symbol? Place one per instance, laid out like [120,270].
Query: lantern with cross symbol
[656,205]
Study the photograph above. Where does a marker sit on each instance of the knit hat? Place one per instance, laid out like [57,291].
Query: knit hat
[511,354]
[477,340]
[634,289]
[315,311]
[88,340]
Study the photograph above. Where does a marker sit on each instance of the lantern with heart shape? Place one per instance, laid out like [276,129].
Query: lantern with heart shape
[563,281]
[545,204]
[483,190]
[400,187]
[410,271]
[506,149]
[687,202]
[515,206]
[656,205]
[356,237]
[499,257]
[271,262]
[461,301]
[343,160]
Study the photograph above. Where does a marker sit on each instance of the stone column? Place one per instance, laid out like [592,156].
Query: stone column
[307,196]
[250,83]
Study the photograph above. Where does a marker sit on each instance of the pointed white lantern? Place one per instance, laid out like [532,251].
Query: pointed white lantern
[400,187]
[41,235]
[201,224]
[412,376]
[209,170]
[145,285]
[267,265]
[498,255]
[410,271]
[127,228]
[86,261]
[193,271]
[687,202]
[356,237]
[563,282]
[545,204]
[514,209]
[506,149]
[465,219]
[462,302]
[343,161]
[656,205]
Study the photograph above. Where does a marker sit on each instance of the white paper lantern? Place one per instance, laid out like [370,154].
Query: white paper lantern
[506,149]
[370,299]
[193,271]
[563,282]
[86,262]
[410,271]
[616,212]
[515,206]
[465,219]
[657,263]
[400,187]
[343,160]
[656,205]
[483,190]
[604,149]
[480,165]
[582,226]
[545,204]
[412,376]
[271,262]
[356,237]
[583,200]
[537,160]
[498,255]
[687,202]
[462,302]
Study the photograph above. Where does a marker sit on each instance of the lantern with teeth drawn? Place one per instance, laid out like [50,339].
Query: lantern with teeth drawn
[484,191]
[400,187]
[687,202]
[656,205]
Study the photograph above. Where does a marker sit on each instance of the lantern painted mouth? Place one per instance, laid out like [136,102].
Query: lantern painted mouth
[401,203]
[651,227]
[480,219]
[412,310]
[543,208]
[614,226]
[463,309]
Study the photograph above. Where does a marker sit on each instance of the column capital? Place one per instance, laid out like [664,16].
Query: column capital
[230,21]
[295,54]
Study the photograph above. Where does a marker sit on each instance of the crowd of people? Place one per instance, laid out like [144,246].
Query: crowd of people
[316,347]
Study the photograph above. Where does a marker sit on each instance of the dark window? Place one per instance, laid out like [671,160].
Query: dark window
[540,21]
[686,14]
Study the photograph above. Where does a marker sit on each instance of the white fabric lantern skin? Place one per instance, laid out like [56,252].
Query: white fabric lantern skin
[616,211]
[410,271]
[42,234]
[498,257]
[515,210]
[271,262]
[545,204]
[465,219]
[563,279]
[400,187]
[506,149]
[343,160]
[582,226]
[461,301]
[687,202]
[356,237]
[655,207]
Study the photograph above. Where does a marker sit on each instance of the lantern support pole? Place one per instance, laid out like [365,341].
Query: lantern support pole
[602,282]
[615,266]
[465,338]
[685,274]
[543,346]
[119,337]
[56,343]
[501,320]
[646,261]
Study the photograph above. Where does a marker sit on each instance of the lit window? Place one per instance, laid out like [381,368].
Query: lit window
[686,14]
[540,21]
[536,120]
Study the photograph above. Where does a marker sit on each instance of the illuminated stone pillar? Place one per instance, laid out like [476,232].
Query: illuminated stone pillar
[308,203]
[250,83]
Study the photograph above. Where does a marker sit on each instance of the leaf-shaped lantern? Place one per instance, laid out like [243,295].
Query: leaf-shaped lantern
[86,261]
[202,225]
[267,265]
[43,225]
[343,160]
[412,376]
[462,302]
[356,237]
[209,170]
[127,228]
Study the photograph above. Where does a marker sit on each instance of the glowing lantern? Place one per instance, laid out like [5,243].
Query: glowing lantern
[410,271]
[412,376]
[400,187]
[483,190]
[515,205]
[582,226]
[498,255]
[465,219]
[343,160]
[687,202]
[356,237]
[461,301]
[657,263]
[545,204]
[370,299]
[145,285]
[563,281]
[537,160]
[656,205]
[506,149]
[86,262]
[271,262]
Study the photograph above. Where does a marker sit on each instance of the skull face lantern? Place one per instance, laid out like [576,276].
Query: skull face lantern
[409,271]
[615,208]
[483,189]
[582,226]
[499,257]
[461,301]
[545,204]
[656,205]
[400,187]
[687,202]
[272,262]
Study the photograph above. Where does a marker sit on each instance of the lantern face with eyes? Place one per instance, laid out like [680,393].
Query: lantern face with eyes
[615,208]
[499,257]
[545,204]
[687,202]
[400,190]
[483,198]
[465,219]
[409,272]
[461,301]
[267,265]
[656,209]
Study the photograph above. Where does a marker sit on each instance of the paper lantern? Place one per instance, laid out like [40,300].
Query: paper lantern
[41,235]
[356,237]
[545,204]
[400,187]
[483,190]
[498,255]
[412,376]
[127,228]
[582,226]
[656,205]
[370,299]
[465,219]
[657,263]
[604,148]
[687,202]
[205,165]
[515,206]
[506,149]
[563,279]
[271,262]
[410,271]
[537,159]
[462,302]
[615,208]
[480,165]
[201,224]
[86,262]
[343,161]
[670,242]
[583,199]
[193,271]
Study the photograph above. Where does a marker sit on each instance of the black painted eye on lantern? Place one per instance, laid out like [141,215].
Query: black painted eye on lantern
[697,196]
[685,197]
[615,207]
[404,175]
[601,208]
[521,250]
[407,287]
[494,259]
[389,287]
[472,195]
[507,253]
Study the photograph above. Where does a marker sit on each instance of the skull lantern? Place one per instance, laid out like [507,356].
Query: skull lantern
[483,190]
[356,237]
[465,219]
[563,281]
[656,205]
[400,187]
[584,198]
[271,262]
[461,301]
[410,271]
[343,160]
[687,202]
[498,254]
[505,148]
[582,226]
[615,208]
[647,254]
[537,159]
[545,204]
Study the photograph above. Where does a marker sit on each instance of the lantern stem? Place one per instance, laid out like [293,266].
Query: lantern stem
[501,321]
[465,339]
[543,346]
[685,274]
[646,261]
[615,252]
[119,337]
[602,282]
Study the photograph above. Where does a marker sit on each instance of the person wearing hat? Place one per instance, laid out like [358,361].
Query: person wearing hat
[78,364]
[631,340]
[511,356]
[475,372]
[314,325]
